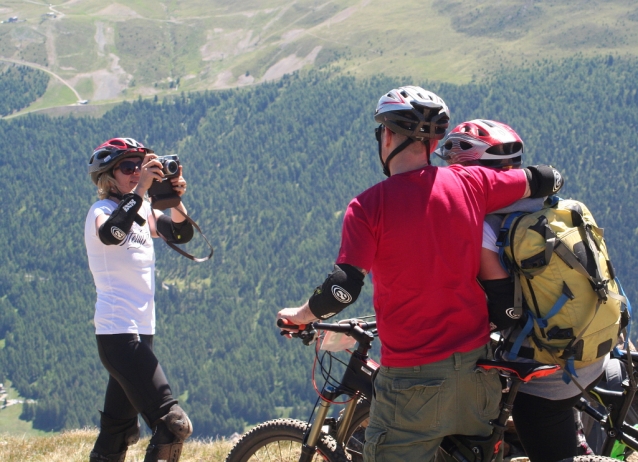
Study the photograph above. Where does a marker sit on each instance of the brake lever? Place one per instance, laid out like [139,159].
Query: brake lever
[308,336]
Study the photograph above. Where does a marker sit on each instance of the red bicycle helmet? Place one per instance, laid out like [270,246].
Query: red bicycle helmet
[108,153]
[482,142]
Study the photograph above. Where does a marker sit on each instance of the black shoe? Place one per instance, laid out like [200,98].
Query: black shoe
[170,452]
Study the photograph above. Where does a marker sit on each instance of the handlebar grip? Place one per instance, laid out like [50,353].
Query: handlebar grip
[284,323]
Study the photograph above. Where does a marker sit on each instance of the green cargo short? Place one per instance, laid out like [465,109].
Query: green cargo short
[415,407]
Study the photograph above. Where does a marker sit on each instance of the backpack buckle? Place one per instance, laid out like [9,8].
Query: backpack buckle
[502,237]
[601,290]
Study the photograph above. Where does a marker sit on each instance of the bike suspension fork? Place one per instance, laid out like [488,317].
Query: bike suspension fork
[346,419]
[308,448]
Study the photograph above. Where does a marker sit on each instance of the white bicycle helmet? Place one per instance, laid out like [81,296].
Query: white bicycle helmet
[413,112]
[482,142]
[418,114]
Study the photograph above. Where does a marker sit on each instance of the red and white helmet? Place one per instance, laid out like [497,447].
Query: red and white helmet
[413,112]
[482,142]
[108,153]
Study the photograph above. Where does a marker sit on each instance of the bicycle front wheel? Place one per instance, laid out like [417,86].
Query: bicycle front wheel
[280,440]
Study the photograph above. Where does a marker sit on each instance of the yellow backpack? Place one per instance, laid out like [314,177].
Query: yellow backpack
[575,305]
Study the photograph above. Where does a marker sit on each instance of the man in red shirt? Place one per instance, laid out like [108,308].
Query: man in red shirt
[419,234]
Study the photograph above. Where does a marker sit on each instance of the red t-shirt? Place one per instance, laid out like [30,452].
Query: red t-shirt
[419,233]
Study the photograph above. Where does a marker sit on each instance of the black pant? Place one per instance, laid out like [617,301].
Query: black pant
[137,384]
[546,428]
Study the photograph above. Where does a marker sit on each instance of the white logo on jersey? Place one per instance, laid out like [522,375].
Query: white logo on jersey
[341,294]
[118,233]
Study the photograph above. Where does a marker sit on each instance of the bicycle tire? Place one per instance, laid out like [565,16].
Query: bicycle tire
[592,458]
[280,440]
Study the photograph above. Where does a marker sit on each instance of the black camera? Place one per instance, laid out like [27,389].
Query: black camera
[161,193]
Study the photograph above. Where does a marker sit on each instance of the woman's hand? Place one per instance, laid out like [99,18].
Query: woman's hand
[179,183]
[151,171]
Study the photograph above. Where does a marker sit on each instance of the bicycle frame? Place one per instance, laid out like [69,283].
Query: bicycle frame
[617,405]
[357,382]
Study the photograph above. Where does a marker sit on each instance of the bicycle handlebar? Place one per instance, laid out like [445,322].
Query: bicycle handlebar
[357,329]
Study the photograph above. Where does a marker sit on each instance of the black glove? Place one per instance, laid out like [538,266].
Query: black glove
[544,180]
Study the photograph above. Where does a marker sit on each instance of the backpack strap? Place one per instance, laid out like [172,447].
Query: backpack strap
[183,252]
[599,285]
[540,321]
[502,241]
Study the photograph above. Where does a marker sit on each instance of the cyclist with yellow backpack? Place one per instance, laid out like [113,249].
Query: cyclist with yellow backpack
[550,288]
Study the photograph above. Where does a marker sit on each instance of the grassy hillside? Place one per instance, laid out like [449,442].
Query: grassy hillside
[75,446]
[110,51]
[11,405]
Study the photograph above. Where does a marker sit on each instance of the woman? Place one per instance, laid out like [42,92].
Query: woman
[118,233]
[543,409]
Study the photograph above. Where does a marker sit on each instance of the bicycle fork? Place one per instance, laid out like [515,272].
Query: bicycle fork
[308,448]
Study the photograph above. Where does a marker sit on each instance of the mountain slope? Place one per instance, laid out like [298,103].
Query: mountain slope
[112,51]
[270,170]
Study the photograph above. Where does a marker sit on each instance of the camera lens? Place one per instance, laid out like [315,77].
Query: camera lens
[171,167]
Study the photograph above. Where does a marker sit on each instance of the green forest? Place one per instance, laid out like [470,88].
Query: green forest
[271,169]
[19,87]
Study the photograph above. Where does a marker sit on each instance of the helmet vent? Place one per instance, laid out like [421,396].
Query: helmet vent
[465,145]
[482,132]
[505,149]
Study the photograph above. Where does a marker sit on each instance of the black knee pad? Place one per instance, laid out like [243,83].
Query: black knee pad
[116,435]
[168,436]
[176,424]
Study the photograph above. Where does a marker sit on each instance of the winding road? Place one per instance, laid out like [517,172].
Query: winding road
[43,69]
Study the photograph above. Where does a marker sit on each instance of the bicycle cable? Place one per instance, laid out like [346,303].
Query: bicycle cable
[326,373]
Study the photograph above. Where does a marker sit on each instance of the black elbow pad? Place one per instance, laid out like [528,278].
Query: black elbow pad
[500,303]
[175,233]
[340,289]
[114,230]
[183,231]
[544,180]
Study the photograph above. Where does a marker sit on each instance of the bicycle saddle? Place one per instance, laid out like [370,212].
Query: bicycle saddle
[523,371]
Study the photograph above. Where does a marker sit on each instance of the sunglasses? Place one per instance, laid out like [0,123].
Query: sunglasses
[127,167]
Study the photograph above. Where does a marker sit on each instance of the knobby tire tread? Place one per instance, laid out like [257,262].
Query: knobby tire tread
[277,431]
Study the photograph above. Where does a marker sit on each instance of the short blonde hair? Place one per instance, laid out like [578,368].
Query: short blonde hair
[105,183]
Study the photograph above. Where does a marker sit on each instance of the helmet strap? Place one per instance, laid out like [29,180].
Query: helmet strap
[117,194]
[397,150]
[426,142]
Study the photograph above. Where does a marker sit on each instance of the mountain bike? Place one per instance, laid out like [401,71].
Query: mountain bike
[610,405]
[342,438]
